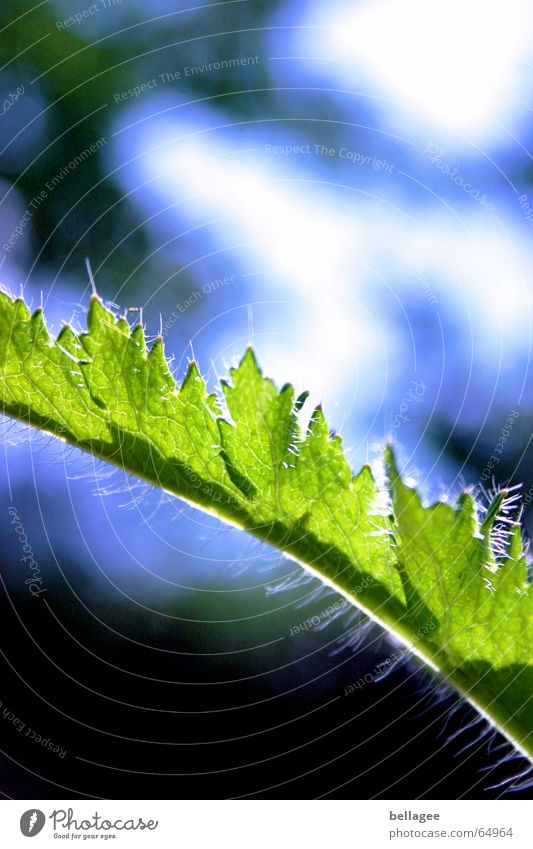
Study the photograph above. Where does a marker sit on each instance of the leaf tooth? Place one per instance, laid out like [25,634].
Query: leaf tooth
[225,428]
[365,474]
[390,464]
[68,343]
[21,310]
[156,354]
[319,432]
[98,315]
[6,301]
[248,368]
[287,394]
[67,336]
[318,427]
[515,546]
[157,362]
[466,504]
[38,327]
[213,403]
[193,382]
[300,401]
[512,569]
[157,348]
[249,361]
[492,512]
[249,372]
[139,339]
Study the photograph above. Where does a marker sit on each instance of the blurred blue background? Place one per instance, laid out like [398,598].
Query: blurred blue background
[346,186]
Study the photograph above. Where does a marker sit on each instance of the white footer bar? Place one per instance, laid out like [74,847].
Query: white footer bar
[267,824]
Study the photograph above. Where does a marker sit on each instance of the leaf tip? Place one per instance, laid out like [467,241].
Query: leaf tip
[250,360]
[38,324]
[300,401]
[389,459]
[97,314]
[138,337]
[317,423]
[192,377]
[157,352]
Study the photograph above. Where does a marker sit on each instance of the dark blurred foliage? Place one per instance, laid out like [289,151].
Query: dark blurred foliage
[158,658]
[76,80]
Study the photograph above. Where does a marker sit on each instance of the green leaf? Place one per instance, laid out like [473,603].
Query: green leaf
[435,577]
[481,610]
